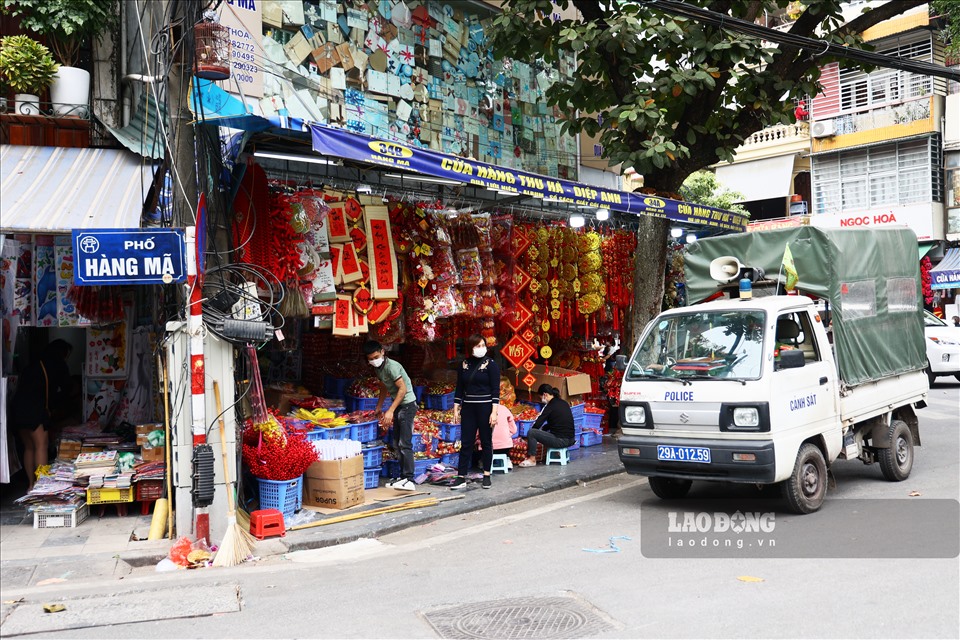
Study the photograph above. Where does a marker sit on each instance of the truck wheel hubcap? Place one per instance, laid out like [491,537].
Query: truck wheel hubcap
[901,451]
[811,479]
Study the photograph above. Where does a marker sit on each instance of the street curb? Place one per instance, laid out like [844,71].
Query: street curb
[446,510]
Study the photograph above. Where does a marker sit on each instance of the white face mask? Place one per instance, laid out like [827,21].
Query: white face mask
[479,352]
[376,362]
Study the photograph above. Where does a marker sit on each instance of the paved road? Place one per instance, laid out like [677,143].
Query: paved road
[536,549]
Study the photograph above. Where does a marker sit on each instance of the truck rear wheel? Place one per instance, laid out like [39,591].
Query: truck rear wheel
[806,487]
[896,461]
[670,488]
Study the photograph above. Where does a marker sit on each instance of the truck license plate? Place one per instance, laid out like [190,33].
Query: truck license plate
[683,454]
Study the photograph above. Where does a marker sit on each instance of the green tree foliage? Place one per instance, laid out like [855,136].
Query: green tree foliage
[673,95]
[68,23]
[703,187]
[950,10]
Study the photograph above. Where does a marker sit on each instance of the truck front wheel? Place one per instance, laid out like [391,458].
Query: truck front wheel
[670,488]
[896,461]
[806,487]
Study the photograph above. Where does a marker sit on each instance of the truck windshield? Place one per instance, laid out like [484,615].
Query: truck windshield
[715,345]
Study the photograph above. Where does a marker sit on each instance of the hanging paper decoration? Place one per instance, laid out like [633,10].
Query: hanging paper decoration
[337,228]
[380,254]
[349,264]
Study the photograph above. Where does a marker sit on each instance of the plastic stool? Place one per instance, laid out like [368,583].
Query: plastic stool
[560,456]
[267,523]
[501,462]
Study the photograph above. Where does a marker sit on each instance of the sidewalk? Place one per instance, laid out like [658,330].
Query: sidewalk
[107,545]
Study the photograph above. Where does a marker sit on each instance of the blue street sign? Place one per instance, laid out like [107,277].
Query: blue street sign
[129,256]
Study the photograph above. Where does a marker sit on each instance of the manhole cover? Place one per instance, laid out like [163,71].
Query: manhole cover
[518,618]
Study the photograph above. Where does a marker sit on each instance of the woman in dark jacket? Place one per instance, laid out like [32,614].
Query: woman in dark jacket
[475,407]
[42,385]
[554,426]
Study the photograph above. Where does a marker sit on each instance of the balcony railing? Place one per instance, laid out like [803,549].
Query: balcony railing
[778,134]
[41,124]
[904,113]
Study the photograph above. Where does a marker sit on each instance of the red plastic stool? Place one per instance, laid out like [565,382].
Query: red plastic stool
[267,523]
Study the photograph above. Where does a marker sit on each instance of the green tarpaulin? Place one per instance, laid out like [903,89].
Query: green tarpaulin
[871,278]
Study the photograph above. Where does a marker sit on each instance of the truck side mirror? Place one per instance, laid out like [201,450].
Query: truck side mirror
[791,359]
[621,363]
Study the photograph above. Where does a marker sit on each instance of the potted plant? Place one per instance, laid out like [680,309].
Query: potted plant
[27,67]
[69,24]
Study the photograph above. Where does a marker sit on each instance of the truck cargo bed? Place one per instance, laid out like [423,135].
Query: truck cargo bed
[875,398]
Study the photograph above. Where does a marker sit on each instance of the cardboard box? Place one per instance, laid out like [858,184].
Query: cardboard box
[153,454]
[334,484]
[570,386]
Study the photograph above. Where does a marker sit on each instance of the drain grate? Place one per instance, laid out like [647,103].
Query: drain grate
[518,619]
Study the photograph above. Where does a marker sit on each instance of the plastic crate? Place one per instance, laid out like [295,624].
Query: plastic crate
[363,404]
[577,410]
[419,445]
[48,519]
[439,403]
[372,457]
[449,432]
[536,405]
[590,438]
[336,387]
[523,427]
[332,433]
[421,466]
[108,496]
[371,478]
[286,496]
[365,431]
[450,459]
[419,391]
[578,423]
[592,420]
[149,490]
[390,469]
[576,443]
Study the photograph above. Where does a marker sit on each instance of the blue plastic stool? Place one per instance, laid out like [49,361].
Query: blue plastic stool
[560,456]
[501,462]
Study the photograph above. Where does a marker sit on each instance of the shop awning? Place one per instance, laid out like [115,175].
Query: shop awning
[925,247]
[338,143]
[759,179]
[144,134]
[56,189]
[946,275]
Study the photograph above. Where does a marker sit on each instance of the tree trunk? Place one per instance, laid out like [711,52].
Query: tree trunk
[650,263]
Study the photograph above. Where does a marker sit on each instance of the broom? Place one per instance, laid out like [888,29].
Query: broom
[237,542]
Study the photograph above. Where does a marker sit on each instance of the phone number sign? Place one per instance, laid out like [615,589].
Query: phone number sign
[129,256]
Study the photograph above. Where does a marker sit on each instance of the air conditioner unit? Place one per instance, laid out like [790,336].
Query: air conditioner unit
[823,129]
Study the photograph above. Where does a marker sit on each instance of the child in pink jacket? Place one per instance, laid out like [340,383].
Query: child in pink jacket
[505,431]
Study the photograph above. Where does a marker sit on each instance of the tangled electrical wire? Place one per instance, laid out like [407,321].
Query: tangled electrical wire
[233,307]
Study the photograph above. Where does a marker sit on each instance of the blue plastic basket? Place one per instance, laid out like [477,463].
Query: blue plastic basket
[439,403]
[419,391]
[336,387]
[333,433]
[372,457]
[590,438]
[536,405]
[390,469]
[353,403]
[365,431]
[421,466]
[576,443]
[523,427]
[592,420]
[577,410]
[419,445]
[450,459]
[286,496]
[578,422]
[449,432]
[371,478]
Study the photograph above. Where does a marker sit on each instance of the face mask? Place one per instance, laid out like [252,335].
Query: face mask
[376,362]
[479,352]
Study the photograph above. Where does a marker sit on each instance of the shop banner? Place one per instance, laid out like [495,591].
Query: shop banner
[129,256]
[352,146]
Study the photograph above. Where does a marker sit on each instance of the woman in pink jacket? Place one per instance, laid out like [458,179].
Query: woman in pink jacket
[505,430]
